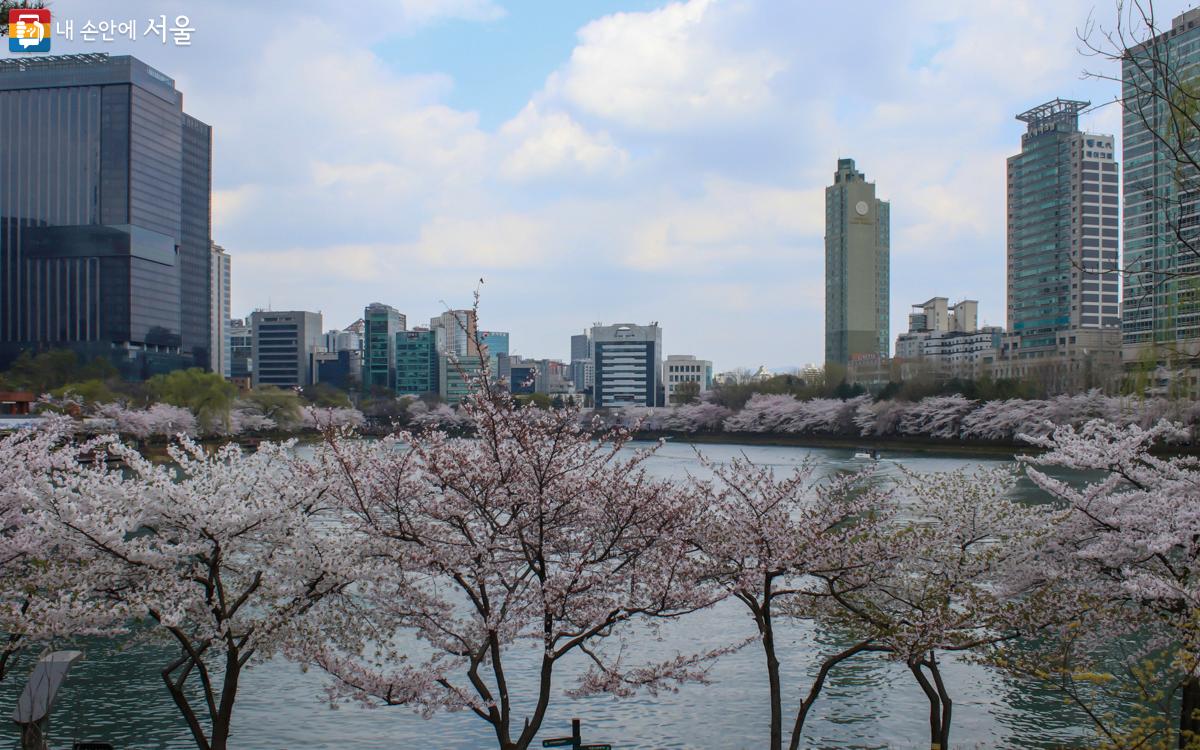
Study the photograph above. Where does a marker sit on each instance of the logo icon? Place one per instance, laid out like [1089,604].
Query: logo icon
[29,30]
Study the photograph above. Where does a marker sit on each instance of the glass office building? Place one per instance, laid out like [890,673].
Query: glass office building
[1161,312]
[416,363]
[104,214]
[381,323]
[1062,231]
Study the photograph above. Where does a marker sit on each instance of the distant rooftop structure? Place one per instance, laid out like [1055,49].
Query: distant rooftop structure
[1053,108]
[1056,114]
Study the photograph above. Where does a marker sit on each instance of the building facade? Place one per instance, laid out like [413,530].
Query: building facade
[857,267]
[456,375]
[283,344]
[627,365]
[416,363]
[496,342]
[219,321]
[241,351]
[685,368]
[341,369]
[1063,265]
[381,323]
[105,198]
[455,332]
[342,341]
[1161,297]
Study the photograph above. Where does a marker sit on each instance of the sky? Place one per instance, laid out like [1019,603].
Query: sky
[610,161]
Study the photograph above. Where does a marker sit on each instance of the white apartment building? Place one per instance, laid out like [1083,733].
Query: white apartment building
[685,368]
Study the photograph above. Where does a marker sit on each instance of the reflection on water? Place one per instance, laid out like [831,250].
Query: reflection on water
[117,694]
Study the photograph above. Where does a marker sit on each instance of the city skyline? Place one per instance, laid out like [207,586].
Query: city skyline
[692,199]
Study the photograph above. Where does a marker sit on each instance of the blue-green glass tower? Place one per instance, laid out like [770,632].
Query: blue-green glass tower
[381,323]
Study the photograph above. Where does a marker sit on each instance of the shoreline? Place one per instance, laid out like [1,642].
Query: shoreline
[914,444]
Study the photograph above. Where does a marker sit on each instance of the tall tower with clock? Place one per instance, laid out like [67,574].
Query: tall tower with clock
[857,268]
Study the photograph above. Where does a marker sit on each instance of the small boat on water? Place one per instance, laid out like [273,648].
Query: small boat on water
[867,455]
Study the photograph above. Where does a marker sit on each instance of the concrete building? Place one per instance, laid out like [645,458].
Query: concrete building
[455,332]
[283,345]
[627,361]
[937,314]
[381,323]
[416,363]
[685,368]
[581,346]
[105,193]
[455,375]
[221,344]
[1161,312]
[342,341]
[1062,244]
[857,267]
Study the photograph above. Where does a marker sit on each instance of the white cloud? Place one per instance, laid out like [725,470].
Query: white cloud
[554,145]
[663,69]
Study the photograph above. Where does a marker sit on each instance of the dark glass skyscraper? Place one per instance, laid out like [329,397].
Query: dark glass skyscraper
[105,196]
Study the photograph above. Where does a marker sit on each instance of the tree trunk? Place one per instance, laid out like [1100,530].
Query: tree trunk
[768,638]
[935,705]
[947,704]
[1189,713]
[815,690]
[223,721]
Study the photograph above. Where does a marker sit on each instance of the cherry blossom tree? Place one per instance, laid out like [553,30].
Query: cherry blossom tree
[1130,545]
[323,418]
[158,420]
[222,554]
[440,416]
[532,540]
[39,600]
[699,417]
[764,537]
[942,591]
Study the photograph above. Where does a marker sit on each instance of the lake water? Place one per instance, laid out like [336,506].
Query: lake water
[117,694]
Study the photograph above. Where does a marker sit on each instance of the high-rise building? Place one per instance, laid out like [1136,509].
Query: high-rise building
[455,332]
[1062,249]
[104,214]
[857,267]
[582,374]
[241,351]
[496,342]
[456,375]
[196,284]
[284,342]
[416,363]
[627,361]
[685,368]
[581,346]
[1161,311]
[219,322]
[381,323]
